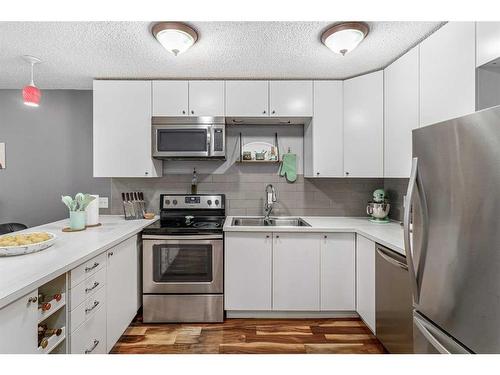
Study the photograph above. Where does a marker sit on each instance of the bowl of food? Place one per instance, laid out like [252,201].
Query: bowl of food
[25,243]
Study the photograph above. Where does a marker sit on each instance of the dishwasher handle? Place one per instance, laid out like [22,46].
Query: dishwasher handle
[386,255]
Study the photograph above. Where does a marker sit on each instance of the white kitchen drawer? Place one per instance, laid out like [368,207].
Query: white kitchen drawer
[88,308]
[87,269]
[90,338]
[87,287]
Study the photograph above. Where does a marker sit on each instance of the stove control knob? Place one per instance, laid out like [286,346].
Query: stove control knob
[209,202]
[216,202]
[174,202]
[167,202]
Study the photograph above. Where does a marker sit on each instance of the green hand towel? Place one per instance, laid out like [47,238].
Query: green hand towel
[289,167]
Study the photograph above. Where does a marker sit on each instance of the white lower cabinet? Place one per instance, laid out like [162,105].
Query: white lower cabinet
[18,325]
[90,337]
[104,298]
[289,271]
[248,271]
[365,280]
[338,272]
[296,267]
[121,288]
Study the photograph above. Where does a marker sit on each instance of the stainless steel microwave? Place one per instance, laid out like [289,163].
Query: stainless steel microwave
[189,137]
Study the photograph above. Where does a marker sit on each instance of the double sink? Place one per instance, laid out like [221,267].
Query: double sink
[270,222]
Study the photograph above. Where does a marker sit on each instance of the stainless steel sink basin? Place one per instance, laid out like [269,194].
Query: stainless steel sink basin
[271,222]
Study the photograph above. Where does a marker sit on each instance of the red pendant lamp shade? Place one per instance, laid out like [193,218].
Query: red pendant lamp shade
[31,93]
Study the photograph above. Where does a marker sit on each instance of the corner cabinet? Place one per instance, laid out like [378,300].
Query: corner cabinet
[365,280]
[323,143]
[448,73]
[401,90]
[122,130]
[364,126]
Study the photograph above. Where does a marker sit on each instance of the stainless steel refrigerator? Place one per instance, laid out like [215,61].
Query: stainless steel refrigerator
[453,253]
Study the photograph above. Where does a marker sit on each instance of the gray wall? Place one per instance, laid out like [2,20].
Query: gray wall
[49,153]
[244,187]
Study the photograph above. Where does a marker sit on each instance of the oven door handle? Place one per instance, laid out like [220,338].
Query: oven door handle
[187,237]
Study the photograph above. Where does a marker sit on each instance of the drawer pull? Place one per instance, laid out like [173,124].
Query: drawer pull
[88,269]
[88,310]
[96,284]
[88,351]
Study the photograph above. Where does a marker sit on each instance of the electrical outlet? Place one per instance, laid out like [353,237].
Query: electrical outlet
[103,202]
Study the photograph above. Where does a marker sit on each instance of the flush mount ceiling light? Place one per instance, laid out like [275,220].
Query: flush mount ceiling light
[344,37]
[31,93]
[175,37]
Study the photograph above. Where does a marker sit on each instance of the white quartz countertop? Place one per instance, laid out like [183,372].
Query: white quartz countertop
[389,235]
[21,274]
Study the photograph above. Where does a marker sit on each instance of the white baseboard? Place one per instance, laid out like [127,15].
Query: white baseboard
[291,314]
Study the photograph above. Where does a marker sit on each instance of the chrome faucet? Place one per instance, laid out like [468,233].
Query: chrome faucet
[270,200]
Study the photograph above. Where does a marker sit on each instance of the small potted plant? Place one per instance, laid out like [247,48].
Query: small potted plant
[77,206]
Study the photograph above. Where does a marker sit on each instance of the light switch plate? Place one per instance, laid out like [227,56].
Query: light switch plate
[103,202]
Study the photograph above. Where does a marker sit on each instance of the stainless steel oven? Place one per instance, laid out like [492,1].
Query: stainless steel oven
[183,264]
[188,137]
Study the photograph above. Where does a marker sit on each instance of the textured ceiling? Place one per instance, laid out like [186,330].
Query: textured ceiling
[74,53]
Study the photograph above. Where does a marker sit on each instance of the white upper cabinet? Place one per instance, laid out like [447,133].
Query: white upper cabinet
[401,87]
[122,130]
[338,272]
[364,125]
[170,98]
[247,98]
[447,73]
[296,271]
[206,98]
[291,98]
[323,136]
[488,42]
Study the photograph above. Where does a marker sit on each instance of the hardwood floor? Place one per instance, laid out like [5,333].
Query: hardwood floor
[251,336]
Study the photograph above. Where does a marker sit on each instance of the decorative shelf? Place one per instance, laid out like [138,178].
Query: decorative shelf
[55,306]
[53,342]
[265,144]
[259,161]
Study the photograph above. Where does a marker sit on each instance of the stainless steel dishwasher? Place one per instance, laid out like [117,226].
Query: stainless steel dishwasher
[394,321]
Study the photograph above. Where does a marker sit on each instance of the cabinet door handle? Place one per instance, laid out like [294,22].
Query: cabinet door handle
[146,173]
[110,254]
[88,269]
[267,236]
[264,111]
[317,173]
[88,310]
[88,351]
[277,236]
[183,112]
[347,173]
[96,284]
[273,112]
[32,299]
[325,237]
[192,112]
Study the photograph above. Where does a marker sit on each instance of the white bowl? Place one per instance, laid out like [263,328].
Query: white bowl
[7,251]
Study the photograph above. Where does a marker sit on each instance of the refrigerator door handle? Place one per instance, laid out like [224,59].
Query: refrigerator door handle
[407,235]
[441,342]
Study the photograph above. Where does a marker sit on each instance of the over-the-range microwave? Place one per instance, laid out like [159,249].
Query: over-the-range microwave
[189,137]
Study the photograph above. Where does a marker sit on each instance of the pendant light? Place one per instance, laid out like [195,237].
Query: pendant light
[344,37]
[175,37]
[31,93]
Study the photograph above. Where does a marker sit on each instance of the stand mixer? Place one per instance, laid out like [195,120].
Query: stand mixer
[379,207]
